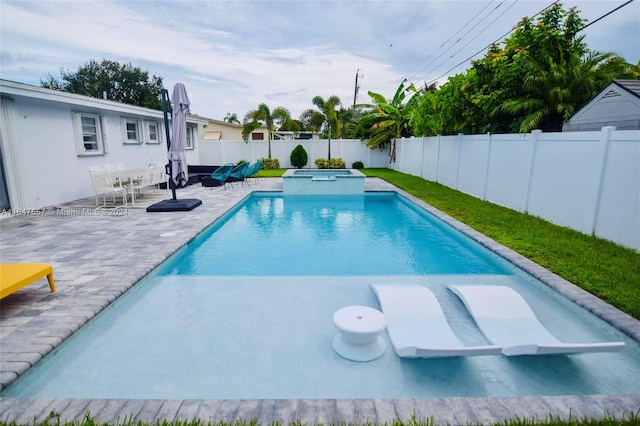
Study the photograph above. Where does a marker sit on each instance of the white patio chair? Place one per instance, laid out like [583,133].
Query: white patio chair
[160,176]
[103,185]
[147,183]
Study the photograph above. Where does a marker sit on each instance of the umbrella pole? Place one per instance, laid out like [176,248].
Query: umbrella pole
[165,102]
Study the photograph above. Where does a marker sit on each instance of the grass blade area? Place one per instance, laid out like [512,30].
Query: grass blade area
[88,420]
[599,266]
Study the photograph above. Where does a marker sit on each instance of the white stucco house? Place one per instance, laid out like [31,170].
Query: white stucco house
[617,105]
[49,139]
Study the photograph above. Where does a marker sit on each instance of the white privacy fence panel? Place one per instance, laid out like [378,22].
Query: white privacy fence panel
[508,170]
[350,150]
[564,180]
[448,161]
[472,167]
[589,181]
[430,156]
[619,200]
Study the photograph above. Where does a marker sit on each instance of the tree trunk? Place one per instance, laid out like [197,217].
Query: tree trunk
[392,151]
[329,145]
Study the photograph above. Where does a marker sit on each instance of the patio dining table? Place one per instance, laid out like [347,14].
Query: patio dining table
[127,178]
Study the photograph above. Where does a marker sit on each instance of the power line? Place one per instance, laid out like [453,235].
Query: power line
[484,48]
[503,36]
[469,42]
[409,24]
[605,15]
[417,68]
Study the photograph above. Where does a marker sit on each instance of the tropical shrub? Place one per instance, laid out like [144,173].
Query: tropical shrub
[270,164]
[337,163]
[334,163]
[299,157]
[322,163]
[357,165]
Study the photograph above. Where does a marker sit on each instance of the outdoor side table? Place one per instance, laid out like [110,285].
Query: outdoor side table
[359,333]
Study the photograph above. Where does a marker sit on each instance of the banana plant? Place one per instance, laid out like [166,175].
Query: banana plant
[392,118]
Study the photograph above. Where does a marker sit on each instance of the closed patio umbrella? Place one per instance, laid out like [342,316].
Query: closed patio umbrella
[179,113]
[176,144]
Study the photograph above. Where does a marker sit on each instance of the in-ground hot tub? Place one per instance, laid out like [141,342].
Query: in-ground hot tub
[323,181]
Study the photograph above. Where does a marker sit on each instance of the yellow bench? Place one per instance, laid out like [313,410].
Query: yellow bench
[14,276]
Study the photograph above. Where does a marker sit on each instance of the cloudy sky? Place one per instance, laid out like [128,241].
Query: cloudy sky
[234,55]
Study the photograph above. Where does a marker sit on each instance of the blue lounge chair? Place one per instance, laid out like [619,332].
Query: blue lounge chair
[221,174]
[253,170]
[237,174]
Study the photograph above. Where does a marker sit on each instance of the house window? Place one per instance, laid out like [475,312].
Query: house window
[152,132]
[257,136]
[89,138]
[190,137]
[131,129]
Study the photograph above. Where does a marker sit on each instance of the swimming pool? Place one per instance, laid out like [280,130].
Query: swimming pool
[198,311]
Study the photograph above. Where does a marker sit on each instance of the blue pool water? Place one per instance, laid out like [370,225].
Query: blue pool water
[245,311]
[321,173]
[377,234]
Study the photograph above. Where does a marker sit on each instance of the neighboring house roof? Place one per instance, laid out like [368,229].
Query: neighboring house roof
[213,120]
[616,105]
[215,130]
[632,86]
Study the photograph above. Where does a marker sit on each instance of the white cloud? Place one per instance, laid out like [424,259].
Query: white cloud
[235,55]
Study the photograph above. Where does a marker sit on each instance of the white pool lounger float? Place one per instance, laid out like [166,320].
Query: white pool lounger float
[506,319]
[417,326]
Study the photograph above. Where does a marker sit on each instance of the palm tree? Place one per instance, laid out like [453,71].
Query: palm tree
[325,114]
[232,118]
[393,116]
[556,89]
[264,116]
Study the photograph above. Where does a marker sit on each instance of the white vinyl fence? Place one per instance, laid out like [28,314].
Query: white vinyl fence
[589,181]
[350,150]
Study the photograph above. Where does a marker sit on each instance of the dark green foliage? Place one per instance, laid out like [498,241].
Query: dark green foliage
[536,79]
[299,157]
[121,82]
[270,164]
[357,165]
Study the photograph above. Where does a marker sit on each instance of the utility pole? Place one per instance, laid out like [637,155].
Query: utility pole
[355,92]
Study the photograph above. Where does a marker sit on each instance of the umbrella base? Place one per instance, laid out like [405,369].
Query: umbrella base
[183,205]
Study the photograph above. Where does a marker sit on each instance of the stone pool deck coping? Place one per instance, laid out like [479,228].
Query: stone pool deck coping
[97,257]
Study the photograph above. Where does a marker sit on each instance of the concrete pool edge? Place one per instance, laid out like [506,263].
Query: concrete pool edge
[88,286]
